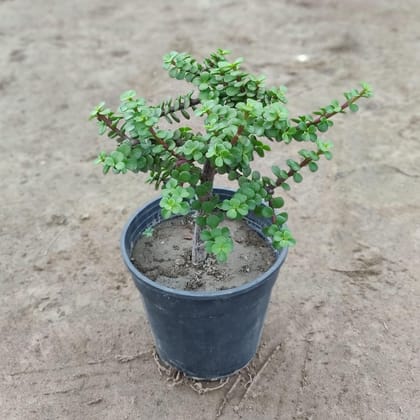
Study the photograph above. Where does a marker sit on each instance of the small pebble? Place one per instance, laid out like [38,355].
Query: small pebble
[302,58]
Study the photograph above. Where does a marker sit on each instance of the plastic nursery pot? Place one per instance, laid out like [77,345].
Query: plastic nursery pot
[206,335]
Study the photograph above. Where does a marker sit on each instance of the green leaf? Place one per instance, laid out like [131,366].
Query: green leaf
[167,118]
[208,246]
[323,126]
[109,161]
[267,212]
[232,175]
[203,189]
[297,177]
[128,95]
[232,91]
[208,206]
[148,232]
[241,197]
[281,218]
[276,171]
[285,186]
[313,167]
[120,166]
[221,247]
[218,161]
[117,156]
[293,165]
[196,205]
[125,149]
[232,214]
[306,136]
[284,238]
[173,72]
[166,213]
[206,235]
[187,101]
[213,221]
[277,202]
[197,156]
[248,191]
[184,176]
[324,146]
[367,90]
[328,155]
[174,117]
[353,107]
[97,110]
[243,209]
[313,155]
[101,127]
[185,113]
[221,256]
[101,158]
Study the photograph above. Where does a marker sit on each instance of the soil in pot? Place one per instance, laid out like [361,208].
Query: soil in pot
[166,257]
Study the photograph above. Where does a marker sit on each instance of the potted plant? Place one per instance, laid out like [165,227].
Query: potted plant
[210,334]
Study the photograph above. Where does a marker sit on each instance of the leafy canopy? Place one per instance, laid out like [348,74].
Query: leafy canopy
[242,117]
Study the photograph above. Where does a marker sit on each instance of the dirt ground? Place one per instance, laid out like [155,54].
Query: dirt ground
[341,339]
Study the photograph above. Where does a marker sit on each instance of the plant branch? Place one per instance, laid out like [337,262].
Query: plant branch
[193,102]
[343,106]
[291,172]
[113,127]
[199,253]
[180,159]
[235,138]
[134,142]
[207,176]
[181,104]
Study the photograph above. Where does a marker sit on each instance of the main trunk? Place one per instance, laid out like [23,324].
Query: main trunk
[199,254]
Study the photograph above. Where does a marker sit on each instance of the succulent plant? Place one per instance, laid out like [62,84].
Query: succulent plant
[241,118]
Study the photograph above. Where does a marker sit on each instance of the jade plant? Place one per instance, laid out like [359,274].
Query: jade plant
[241,117]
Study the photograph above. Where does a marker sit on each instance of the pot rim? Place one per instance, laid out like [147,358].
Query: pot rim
[196,295]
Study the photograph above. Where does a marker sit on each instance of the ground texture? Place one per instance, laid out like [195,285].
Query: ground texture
[341,339]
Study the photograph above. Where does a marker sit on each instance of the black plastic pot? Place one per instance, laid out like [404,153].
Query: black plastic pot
[206,335]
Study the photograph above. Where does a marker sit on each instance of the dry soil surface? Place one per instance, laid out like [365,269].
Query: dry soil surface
[165,257]
[341,339]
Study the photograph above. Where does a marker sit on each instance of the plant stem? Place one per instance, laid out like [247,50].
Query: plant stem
[166,147]
[235,138]
[198,252]
[193,102]
[291,172]
[343,106]
[113,127]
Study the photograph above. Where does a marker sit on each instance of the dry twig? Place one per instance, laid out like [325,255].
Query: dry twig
[227,395]
[259,372]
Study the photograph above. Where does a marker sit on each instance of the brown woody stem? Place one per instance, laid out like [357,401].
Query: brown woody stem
[331,114]
[166,147]
[193,102]
[113,126]
[235,138]
[291,172]
[199,254]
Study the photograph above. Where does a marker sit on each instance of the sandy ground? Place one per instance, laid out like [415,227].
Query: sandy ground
[341,340]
